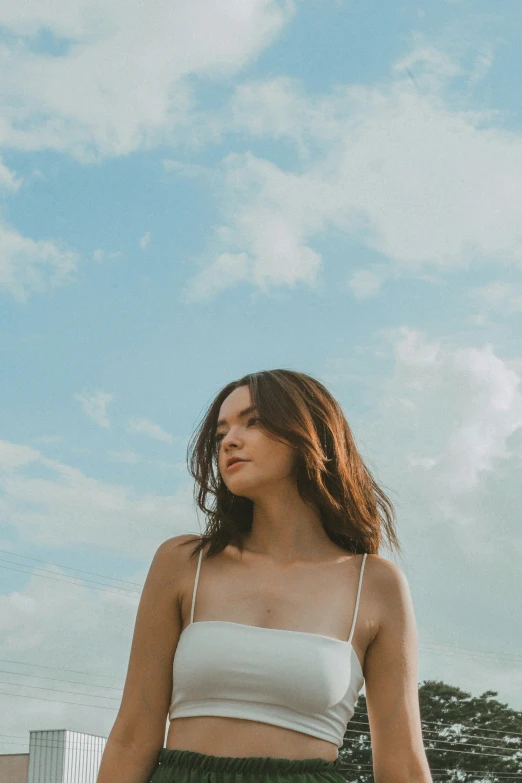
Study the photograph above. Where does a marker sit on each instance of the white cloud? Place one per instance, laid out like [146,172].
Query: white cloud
[396,167]
[120,83]
[279,108]
[227,270]
[8,179]
[472,390]
[498,295]
[444,441]
[413,351]
[184,169]
[144,240]
[14,456]
[270,214]
[365,283]
[66,508]
[483,64]
[491,413]
[51,624]
[432,64]
[138,425]
[100,255]
[95,406]
[28,266]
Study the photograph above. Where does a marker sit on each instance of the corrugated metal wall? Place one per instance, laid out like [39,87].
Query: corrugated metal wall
[83,753]
[62,756]
[46,756]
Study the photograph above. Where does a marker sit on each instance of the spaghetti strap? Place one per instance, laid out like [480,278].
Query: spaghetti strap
[195,587]
[358,596]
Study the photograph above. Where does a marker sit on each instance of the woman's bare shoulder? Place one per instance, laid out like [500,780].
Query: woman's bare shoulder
[173,556]
[178,544]
[383,570]
[388,588]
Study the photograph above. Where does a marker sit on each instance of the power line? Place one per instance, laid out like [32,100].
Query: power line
[452,725]
[440,750]
[361,731]
[56,690]
[60,701]
[56,668]
[55,679]
[351,723]
[352,731]
[52,743]
[70,568]
[479,773]
[460,749]
[473,650]
[80,743]
[55,743]
[457,736]
[85,583]
[439,740]
[354,721]
[466,652]
[482,728]
[482,775]
[445,649]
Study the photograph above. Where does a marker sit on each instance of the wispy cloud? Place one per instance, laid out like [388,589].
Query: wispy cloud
[142,425]
[366,283]
[8,179]
[66,508]
[144,240]
[455,408]
[185,169]
[498,295]
[95,406]
[396,167]
[106,90]
[94,628]
[227,270]
[100,255]
[28,266]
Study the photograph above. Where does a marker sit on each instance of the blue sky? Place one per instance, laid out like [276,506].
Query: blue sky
[210,190]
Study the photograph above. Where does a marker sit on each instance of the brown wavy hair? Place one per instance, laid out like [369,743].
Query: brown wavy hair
[298,410]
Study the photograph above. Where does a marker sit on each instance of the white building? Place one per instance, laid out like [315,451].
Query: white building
[55,756]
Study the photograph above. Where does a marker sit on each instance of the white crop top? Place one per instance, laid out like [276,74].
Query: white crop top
[302,681]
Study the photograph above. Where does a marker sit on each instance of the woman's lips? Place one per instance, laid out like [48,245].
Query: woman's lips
[235,464]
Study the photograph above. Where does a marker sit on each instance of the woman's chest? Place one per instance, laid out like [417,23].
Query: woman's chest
[315,599]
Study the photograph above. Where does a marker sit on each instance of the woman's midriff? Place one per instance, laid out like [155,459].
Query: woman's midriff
[215,736]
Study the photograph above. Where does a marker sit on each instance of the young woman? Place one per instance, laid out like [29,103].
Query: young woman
[257,641]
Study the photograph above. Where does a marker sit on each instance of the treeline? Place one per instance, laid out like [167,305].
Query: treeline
[468,739]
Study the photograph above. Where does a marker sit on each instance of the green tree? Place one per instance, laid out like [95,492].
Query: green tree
[468,739]
[356,752]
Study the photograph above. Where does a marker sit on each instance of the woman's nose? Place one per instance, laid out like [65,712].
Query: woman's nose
[230,439]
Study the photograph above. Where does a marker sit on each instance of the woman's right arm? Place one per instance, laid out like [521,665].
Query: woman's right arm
[138,733]
[392,690]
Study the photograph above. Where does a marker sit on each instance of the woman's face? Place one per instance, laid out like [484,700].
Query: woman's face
[267,461]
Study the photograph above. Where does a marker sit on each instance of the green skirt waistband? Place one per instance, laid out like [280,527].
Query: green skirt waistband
[187,766]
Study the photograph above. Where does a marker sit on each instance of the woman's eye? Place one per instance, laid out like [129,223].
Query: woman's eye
[220,436]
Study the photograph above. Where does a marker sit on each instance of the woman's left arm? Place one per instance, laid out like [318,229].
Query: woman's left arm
[392,691]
